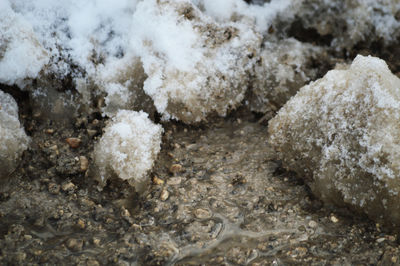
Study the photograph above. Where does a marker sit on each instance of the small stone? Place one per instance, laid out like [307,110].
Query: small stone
[176,168]
[55,148]
[91,132]
[54,188]
[334,219]
[49,131]
[157,181]
[73,142]
[394,259]
[202,213]
[164,195]
[92,262]
[81,224]
[68,186]
[74,244]
[37,252]
[380,240]
[27,237]
[96,241]
[125,213]
[84,163]
[391,238]
[312,224]
[174,181]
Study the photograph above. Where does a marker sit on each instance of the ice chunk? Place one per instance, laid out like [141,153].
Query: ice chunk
[21,54]
[342,135]
[195,66]
[13,140]
[122,81]
[283,67]
[128,148]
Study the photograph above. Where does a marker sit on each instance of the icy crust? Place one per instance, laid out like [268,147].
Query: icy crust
[342,134]
[282,68]
[349,22]
[194,65]
[128,148]
[13,140]
[21,54]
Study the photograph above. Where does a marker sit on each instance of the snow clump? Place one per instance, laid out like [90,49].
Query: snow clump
[13,140]
[194,65]
[342,135]
[21,54]
[128,148]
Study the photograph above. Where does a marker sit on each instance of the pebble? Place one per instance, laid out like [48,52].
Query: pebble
[202,213]
[91,132]
[380,240]
[81,224]
[92,262]
[74,244]
[157,181]
[164,195]
[334,219]
[174,181]
[312,224]
[50,131]
[54,188]
[96,241]
[176,168]
[84,163]
[73,142]
[68,186]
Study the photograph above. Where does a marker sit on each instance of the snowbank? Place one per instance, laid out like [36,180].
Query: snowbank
[342,135]
[13,140]
[128,148]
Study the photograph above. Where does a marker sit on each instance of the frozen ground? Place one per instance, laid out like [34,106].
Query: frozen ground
[217,195]
[229,204]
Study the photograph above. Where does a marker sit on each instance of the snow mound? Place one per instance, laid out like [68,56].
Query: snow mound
[128,148]
[194,65]
[13,140]
[342,135]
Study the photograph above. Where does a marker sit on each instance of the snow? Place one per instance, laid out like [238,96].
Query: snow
[128,148]
[13,140]
[342,134]
[194,65]
[21,55]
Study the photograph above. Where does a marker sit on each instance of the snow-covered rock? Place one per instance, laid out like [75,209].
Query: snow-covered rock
[342,135]
[195,66]
[283,68]
[128,148]
[345,23]
[13,140]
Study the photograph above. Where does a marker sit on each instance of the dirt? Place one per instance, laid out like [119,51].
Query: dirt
[217,197]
